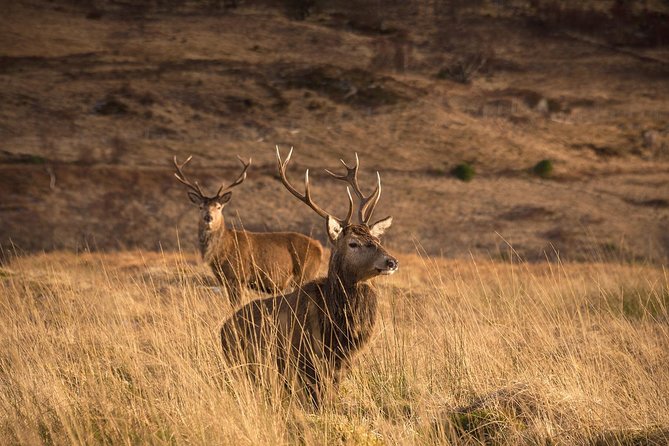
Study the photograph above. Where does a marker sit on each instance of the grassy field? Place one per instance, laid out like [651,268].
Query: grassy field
[123,349]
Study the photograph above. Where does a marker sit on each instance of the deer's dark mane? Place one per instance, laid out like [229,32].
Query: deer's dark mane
[350,307]
[209,240]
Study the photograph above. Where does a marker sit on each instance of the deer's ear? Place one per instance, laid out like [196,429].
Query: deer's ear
[334,229]
[224,198]
[195,198]
[378,228]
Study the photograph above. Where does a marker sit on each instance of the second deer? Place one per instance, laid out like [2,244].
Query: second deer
[265,261]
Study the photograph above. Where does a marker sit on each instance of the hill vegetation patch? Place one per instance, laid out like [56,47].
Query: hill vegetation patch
[357,88]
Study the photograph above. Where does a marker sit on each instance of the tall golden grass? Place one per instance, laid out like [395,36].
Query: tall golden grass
[123,349]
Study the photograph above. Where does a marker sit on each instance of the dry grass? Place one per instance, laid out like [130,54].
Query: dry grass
[123,349]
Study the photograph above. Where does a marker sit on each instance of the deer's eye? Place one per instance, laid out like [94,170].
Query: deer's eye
[353,244]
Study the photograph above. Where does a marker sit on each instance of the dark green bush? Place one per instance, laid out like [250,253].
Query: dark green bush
[463,172]
[543,168]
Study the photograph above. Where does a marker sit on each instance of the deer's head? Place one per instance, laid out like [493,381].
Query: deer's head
[357,249]
[211,207]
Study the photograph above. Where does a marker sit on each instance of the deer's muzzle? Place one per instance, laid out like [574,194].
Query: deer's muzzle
[391,265]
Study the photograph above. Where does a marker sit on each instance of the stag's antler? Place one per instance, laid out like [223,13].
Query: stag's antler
[182,178]
[239,180]
[368,203]
[195,187]
[306,198]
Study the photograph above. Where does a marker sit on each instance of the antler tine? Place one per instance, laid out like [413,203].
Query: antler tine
[367,209]
[306,198]
[367,203]
[240,179]
[182,178]
[351,175]
[350,208]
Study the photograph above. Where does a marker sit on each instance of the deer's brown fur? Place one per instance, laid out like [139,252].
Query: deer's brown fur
[265,261]
[312,333]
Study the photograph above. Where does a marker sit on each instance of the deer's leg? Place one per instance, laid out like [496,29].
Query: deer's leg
[329,378]
[218,273]
[339,373]
[226,283]
[231,280]
[312,380]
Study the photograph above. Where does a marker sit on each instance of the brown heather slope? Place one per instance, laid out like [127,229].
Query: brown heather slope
[93,109]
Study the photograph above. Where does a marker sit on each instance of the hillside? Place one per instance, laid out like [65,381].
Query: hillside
[96,100]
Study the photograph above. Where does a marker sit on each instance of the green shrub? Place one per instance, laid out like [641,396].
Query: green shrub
[464,172]
[543,168]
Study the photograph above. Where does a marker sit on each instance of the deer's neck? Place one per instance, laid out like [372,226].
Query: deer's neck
[351,310]
[211,239]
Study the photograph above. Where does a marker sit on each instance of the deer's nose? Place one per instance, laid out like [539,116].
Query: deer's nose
[208,218]
[392,264]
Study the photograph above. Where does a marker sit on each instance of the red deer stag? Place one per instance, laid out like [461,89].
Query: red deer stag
[263,261]
[313,332]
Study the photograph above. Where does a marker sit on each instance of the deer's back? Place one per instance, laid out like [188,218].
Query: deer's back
[275,323]
[288,255]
